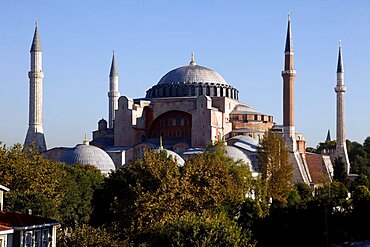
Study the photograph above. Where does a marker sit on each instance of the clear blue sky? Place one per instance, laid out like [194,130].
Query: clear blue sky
[242,40]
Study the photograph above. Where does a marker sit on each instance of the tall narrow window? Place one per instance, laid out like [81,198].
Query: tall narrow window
[28,239]
[37,238]
[45,238]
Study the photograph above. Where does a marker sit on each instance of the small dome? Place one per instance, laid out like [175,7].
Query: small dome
[175,157]
[89,155]
[236,154]
[192,74]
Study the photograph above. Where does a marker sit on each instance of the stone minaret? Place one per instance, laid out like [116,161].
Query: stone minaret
[113,93]
[340,89]
[35,133]
[288,75]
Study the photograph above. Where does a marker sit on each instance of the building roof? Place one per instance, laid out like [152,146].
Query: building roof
[174,156]
[317,168]
[113,68]
[340,68]
[19,220]
[89,155]
[36,44]
[236,154]
[3,188]
[192,74]
[289,40]
[244,109]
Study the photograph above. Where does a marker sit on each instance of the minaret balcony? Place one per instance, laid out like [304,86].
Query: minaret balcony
[34,74]
[340,89]
[288,72]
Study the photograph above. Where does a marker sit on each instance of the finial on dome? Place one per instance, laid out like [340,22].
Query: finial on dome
[160,143]
[36,23]
[289,15]
[192,62]
[85,142]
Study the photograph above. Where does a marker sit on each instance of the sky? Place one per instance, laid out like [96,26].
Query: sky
[242,40]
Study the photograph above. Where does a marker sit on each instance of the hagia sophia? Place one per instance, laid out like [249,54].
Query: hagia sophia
[189,108]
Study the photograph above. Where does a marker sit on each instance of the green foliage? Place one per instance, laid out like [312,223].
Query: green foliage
[275,167]
[34,182]
[155,190]
[334,193]
[360,180]
[86,236]
[324,146]
[340,173]
[50,189]
[78,186]
[204,230]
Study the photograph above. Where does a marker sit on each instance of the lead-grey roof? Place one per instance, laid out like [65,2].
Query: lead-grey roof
[236,154]
[36,44]
[340,61]
[289,39]
[113,67]
[174,156]
[89,155]
[192,74]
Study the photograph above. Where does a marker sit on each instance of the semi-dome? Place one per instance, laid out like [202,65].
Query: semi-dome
[236,154]
[192,80]
[173,155]
[192,74]
[89,155]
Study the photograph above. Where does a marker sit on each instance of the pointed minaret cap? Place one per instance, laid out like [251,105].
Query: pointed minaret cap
[192,62]
[36,44]
[328,138]
[340,68]
[113,67]
[289,39]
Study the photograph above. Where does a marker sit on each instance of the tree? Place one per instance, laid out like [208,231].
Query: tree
[136,197]
[367,145]
[213,181]
[33,181]
[360,180]
[340,173]
[201,230]
[50,189]
[82,235]
[275,167]
[78,186]
[155,192]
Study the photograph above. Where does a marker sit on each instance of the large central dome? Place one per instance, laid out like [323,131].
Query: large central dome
[192,74]
[192,80]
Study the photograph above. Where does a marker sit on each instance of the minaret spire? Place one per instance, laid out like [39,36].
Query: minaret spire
[340,89]
[340,68]
[113,68]
[35,134]
[328,137]
[113,93]
[36,44]
[288,75]
[289,39]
